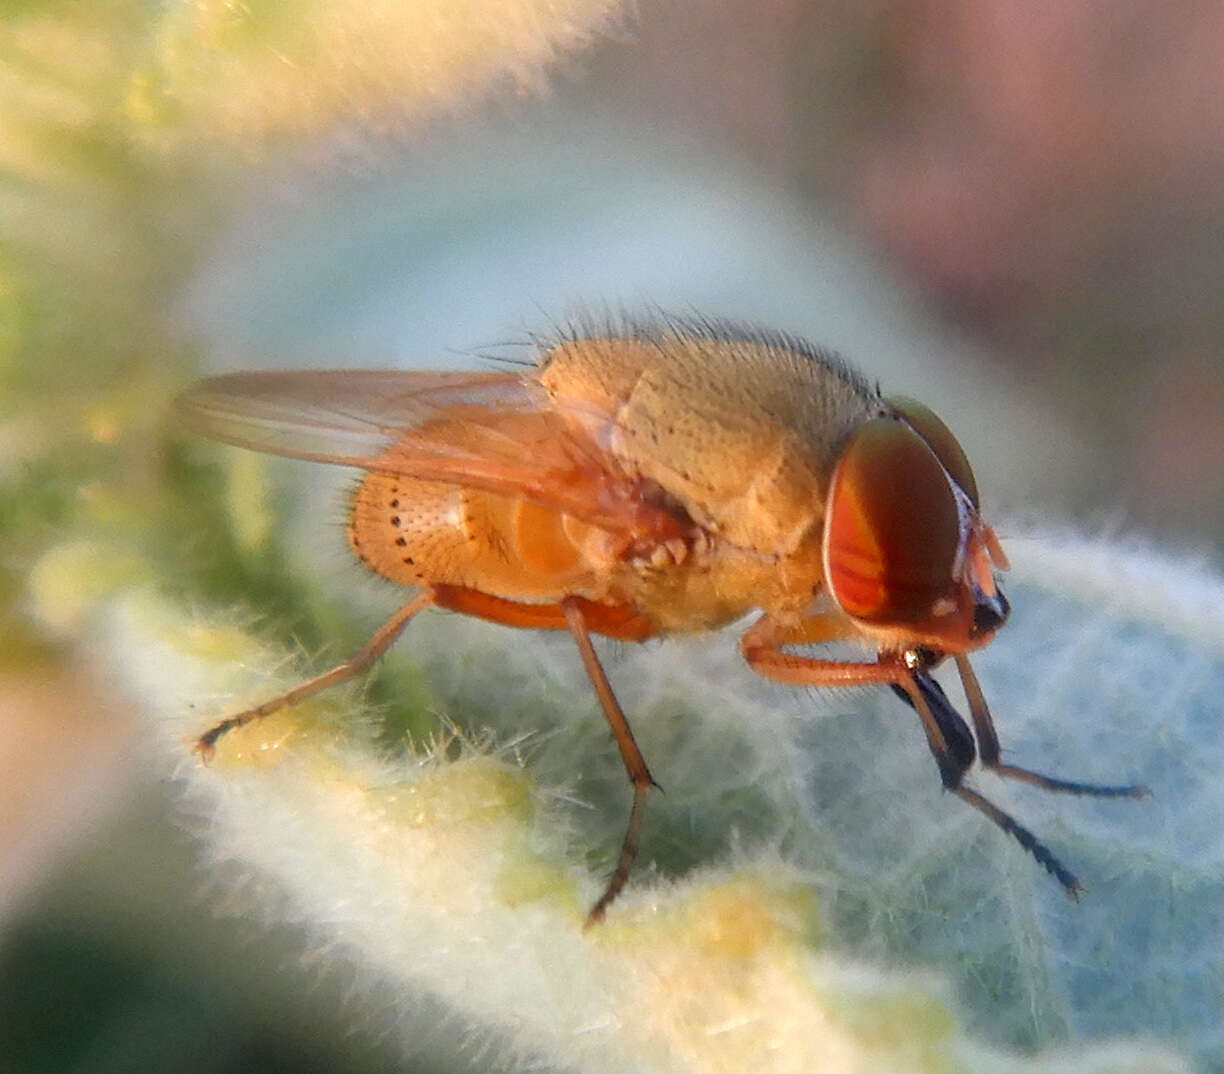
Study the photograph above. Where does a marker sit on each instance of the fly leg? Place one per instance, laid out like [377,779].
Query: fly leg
[952,746]
[581,617]
[206,744]
[947,734]
[989,752]
[631,755]
[576,614]
[605,619]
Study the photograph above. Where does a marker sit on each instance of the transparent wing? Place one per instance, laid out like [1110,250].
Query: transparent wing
[493,431]
[350,417]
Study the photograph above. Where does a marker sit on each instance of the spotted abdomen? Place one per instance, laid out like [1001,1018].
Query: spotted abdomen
[426,532]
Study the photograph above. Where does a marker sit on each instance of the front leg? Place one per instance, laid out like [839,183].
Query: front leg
[988,748]
[948,736]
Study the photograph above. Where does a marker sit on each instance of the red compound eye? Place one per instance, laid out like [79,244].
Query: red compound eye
[926,423]
[892,528]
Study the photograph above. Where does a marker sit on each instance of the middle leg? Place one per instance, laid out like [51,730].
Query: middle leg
[631,755]
[582,618]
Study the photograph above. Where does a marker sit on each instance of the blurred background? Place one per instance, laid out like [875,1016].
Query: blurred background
[1010,210]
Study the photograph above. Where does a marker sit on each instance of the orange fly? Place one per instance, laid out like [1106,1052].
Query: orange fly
[658,478]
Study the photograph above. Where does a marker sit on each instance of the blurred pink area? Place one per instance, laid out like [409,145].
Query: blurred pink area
[67,751]
[1029,135]
[1181,464]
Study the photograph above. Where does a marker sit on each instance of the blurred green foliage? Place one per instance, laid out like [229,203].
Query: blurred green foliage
[102,219]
